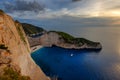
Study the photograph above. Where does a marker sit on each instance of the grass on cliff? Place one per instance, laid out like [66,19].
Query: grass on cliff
[2,46]
[68,38]
[82,41]
[1,12]
[20,31]
[79,41]
[21,34]
[31,29]
[10,74]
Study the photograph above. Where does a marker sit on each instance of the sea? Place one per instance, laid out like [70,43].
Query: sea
[71,64]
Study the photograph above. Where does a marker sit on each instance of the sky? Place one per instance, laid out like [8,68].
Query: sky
[57,8]
[50,9]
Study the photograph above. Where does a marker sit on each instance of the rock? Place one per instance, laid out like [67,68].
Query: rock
[33,41]
[13,36]
[67,41]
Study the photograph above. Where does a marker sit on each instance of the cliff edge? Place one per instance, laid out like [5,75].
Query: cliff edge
[15,50]
[64,40]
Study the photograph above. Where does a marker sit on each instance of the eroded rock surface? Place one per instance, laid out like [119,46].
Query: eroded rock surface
[65,40]
[14,38]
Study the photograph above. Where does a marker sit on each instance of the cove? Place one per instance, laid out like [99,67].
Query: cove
[68,64]
[84,65]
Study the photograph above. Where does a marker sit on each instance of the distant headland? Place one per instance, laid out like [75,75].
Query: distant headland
[39,36]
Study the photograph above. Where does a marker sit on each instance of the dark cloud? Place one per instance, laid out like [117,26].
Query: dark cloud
[55,4]
[21,5]
[76,0]
[57,8]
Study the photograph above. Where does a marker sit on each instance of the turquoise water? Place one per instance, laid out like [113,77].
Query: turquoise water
[84,65]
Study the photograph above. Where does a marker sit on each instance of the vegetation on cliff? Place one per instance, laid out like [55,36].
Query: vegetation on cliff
[31,29]
[2,46]
[15,62]
[7,70]
[10,74]
[68,38]
[72,40]
[20,31]
[64,38]
[1,12]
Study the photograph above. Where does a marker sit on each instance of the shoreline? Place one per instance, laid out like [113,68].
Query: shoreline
[35,48]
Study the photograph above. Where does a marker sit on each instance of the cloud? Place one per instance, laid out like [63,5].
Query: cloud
[116,7]
[110,4]
[47,13]
[63,12]
[52,8]
[22,5]
[76,0]
[70,22]
[57,8]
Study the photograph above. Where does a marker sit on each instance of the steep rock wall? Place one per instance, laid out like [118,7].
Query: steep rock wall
[53,38]
[13,36]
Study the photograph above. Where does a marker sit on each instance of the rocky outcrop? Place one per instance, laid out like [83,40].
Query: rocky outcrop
[65,40]
[33,41]
[13,37]
[32,30]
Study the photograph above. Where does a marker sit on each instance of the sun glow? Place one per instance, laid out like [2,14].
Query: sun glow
[95,14]
[115,13]
[112,13]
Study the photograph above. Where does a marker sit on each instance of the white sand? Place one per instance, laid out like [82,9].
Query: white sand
[35,48]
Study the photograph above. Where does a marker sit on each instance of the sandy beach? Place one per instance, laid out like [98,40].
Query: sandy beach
[35,48]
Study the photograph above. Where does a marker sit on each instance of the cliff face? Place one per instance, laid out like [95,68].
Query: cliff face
[13,37]
[65,40]
[50,39]
[33,41]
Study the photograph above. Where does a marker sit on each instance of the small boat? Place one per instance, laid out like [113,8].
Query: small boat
[71,54]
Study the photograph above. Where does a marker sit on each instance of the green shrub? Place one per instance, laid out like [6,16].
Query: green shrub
[1,12]
[68,38]
[31,29]
[78,41]
[83,41]
[10,74]
[20,31]
[2,46]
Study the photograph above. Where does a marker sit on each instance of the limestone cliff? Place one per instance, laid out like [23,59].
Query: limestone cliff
[13,37]
[65,40]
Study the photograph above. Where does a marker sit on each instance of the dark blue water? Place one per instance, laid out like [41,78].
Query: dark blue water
[84,65]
